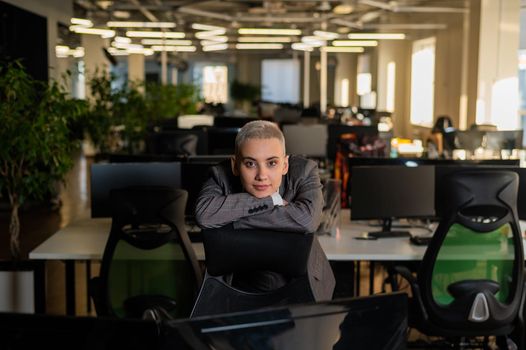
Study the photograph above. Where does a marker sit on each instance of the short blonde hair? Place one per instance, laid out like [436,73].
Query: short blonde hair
[258,129]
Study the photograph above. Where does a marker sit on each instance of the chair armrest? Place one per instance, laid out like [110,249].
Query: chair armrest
[418,304]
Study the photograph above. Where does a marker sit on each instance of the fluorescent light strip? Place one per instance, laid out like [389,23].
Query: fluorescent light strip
[199,26]
[216,47]
[127,24]
[264,39]
[105,33]
[211,42]
[301,46]
[174,48]
[144,51]
[81,22]
[210,33]
[313,41]
[326,35]
[355,43]
[269,31]
[115,52]
[166,42]
[342,49]
[62,51]
[377,36]
[122,40]
[259,46]
[126,45]
[216,39]
[146,34]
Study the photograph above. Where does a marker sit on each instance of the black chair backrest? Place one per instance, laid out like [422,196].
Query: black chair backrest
[236,251]
[148,249]
[476,252]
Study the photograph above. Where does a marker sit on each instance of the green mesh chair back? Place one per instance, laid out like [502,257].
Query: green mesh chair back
[148,261]
[471,278]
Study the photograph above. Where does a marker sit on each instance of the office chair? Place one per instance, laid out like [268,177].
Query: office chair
[470,282]
[230,252]
[176,142]
[148,261]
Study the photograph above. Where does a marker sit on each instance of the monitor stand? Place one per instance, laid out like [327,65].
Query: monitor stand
[387,232]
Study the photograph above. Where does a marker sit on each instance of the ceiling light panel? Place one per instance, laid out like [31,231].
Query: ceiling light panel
[166,42]
[146,34]
[377,36]
[342,49]
[269,31]
[199,26]
[264,39]
[128,24]
[259,46]
[355,43]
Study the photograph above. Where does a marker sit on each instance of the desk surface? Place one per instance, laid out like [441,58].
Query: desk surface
[86,239]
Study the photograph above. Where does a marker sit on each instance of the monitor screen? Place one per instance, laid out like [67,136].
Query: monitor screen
[306,140]
[503,139]
[42,331]
[105,177]
[365,135]
[386,192]
[194,174]
[373,322]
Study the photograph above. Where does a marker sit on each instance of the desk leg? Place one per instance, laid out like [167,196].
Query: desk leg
[358,263]
[40,287]
[371,277]
[70,287]
[88,277]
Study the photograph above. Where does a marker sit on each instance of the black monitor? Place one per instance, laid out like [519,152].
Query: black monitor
[41,331]
[468,139]
[388,192]
[221,140]
[194,174]
[105,177]
[503,140]
[441,172]
[373,322]
[363,133]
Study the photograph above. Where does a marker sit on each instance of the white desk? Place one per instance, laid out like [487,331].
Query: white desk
[86,239]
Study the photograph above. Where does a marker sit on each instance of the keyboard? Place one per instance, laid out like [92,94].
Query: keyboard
[389,234]
[420,240]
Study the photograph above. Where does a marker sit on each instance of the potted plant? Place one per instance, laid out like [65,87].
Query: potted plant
[35,140]
[244,94]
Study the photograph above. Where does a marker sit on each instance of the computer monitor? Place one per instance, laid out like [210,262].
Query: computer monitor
[441,172]
[221,140]
[22,331]
[389,192]
[105,177]
[468,139]
[194,174]
[364,134]
[372,322]
[306,140]
[503,140]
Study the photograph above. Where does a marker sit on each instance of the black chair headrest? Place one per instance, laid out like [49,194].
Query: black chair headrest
[236,251]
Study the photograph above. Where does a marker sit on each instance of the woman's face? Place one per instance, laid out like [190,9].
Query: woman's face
[261,166]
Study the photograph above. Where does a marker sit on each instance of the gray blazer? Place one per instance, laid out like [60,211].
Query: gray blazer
[222,201]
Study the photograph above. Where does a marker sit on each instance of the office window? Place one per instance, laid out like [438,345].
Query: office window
[215,84]
[344,93]
[423,82]
[363,83]
[280,79]
[391,78]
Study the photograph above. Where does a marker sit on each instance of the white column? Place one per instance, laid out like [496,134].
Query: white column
[343,71]
[498,89]
[323,81]
[136,68]
[94,59]
[164,71]
[306,79]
